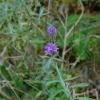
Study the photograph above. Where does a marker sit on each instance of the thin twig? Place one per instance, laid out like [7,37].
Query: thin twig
[75,63]
[71,29]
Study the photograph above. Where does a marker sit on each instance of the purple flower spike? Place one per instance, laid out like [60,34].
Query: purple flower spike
[50,49]
[51,30]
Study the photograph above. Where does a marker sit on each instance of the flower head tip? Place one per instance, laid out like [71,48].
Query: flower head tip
[52,30]
[50,49]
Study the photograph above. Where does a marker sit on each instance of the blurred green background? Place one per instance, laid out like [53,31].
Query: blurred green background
[26,73]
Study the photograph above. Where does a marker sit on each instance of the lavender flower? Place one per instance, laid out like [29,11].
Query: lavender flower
[51,30]
[50,49]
